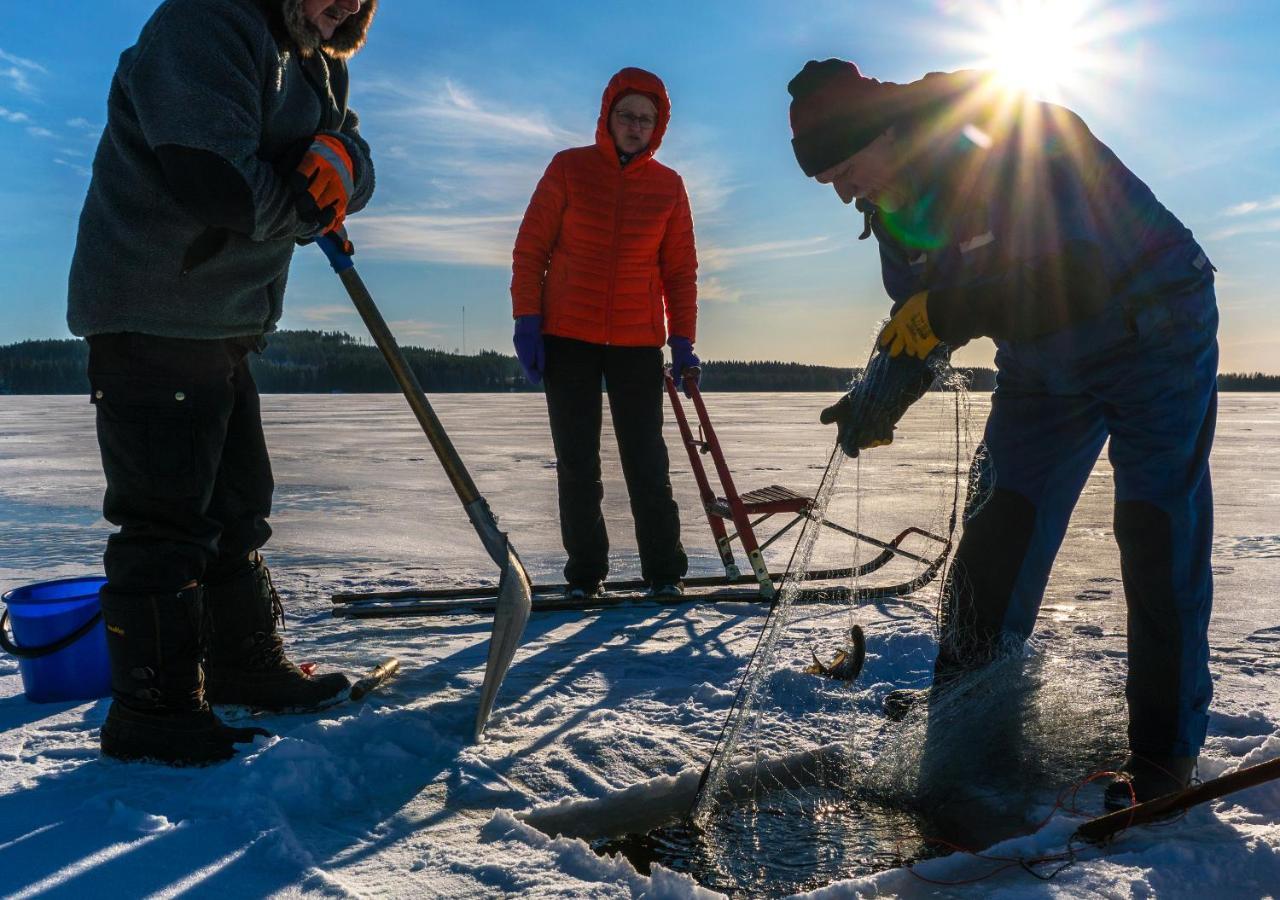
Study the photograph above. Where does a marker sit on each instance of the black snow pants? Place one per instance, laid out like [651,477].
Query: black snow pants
[633,379]
[188,477]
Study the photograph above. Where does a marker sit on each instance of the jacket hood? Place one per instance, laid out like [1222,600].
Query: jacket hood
[347,39]
[631,81]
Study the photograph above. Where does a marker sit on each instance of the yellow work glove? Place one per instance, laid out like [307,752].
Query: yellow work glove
[909,329]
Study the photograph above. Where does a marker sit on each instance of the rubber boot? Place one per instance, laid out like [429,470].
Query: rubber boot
[1148,776]
[247,665]
[158,711]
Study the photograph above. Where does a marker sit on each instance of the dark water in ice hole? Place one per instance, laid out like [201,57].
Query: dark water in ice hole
[804,838]
[790,841]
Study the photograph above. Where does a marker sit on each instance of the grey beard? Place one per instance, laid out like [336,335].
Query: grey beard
[305,34]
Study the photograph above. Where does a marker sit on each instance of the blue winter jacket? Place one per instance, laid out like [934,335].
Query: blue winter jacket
[1025,224]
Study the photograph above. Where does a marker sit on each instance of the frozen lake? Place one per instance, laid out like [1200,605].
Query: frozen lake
[391,799]
[361,501]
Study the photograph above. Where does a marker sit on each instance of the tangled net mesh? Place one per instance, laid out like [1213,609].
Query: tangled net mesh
[809,780]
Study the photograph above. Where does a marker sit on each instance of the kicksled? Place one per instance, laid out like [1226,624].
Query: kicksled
[734,519]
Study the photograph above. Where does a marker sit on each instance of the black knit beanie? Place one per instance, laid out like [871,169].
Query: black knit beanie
[837,111]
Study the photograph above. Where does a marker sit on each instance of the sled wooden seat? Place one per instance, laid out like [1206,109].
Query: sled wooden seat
[775,498]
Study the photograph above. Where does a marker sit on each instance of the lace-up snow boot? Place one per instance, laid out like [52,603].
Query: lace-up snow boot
[158,711]
[247,665]
[1148,776]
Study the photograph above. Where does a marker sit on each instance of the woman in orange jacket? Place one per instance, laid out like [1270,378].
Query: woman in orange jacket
[604,268]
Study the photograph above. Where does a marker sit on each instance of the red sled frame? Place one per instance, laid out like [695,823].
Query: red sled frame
[774,500]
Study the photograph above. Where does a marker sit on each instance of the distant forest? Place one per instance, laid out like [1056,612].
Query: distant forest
[323,362]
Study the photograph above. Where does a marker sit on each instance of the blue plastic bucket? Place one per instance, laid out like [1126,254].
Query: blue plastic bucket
[59,639]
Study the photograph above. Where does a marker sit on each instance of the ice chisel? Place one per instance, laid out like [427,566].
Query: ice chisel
[514,592]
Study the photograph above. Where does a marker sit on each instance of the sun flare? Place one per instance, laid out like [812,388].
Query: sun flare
[1034,45]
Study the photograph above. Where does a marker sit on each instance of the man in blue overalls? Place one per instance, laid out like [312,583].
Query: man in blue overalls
[1004,217]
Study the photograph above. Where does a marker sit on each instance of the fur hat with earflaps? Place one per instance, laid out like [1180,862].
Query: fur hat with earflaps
[346,41]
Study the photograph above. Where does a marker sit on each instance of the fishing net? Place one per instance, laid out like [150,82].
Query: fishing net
[809,781]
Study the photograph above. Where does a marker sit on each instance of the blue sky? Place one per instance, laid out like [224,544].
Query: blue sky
[465,103]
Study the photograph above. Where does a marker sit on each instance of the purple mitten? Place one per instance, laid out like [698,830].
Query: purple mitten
[529,348]
[683,359]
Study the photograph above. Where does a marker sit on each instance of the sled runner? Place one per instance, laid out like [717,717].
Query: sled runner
[745,512]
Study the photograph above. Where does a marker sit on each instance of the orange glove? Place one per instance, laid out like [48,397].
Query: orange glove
[324,182]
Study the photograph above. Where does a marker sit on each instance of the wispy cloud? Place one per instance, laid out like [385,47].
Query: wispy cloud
[321,315]
[697,153]
[18,71]
[444,112]
[411,331]
[718,264]
[717,258]
[74,167]
[707,184]
[1253,206]
[82,124]
[441,238]
[1263,226]
[469,182]
[456,149]
[64,155]
[713,289]
[1252,135]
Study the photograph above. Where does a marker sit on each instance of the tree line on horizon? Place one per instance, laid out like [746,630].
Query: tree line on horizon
[322,362]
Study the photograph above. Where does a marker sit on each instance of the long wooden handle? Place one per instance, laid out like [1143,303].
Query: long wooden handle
[459,477]
[1103,827]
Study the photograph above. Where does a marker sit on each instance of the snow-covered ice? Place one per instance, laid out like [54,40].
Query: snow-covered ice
[390,798]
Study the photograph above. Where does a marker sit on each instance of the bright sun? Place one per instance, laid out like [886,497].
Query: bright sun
[1034,45]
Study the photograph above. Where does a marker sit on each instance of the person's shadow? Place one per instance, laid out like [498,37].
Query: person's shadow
[999,742]
[330,790]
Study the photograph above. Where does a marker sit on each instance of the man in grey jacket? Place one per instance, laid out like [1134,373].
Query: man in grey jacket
[228,139]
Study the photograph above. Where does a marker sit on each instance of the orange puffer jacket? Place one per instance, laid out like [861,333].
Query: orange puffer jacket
[605,250]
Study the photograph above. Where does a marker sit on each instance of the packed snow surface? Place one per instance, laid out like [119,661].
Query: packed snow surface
[391,798]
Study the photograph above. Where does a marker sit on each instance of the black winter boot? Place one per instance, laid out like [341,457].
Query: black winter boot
[1145,777]
[247,665]
[159,711]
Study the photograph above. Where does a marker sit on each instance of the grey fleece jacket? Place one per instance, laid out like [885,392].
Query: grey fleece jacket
[189,224]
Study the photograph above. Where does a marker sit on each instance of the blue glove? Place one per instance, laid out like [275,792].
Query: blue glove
[529,347]
[683,358]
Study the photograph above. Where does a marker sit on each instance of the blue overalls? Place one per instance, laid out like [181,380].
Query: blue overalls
[1140,369]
